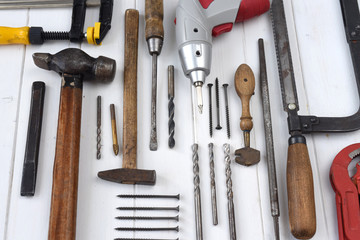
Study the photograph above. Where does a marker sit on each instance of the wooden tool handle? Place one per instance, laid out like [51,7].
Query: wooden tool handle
[62,224]
[245,86]
[154,13]
[300,189]
[130,88]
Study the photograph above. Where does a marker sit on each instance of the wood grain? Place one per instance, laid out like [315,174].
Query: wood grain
[245,86]
[154,14]
[62,224]
[300,189]
[130,88]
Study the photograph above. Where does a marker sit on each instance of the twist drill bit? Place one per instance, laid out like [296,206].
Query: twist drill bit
[218,127]
[225,86]
[171,106]
[230,194]
[197,198]
[98,131]
[212,183]
[210,111]
[113,127]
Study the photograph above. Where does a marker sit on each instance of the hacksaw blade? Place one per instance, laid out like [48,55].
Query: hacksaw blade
[283,54]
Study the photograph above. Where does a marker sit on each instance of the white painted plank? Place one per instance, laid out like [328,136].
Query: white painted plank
[10,95]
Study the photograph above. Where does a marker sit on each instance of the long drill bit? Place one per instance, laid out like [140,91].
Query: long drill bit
[114,131]
[230,194]
[195,159]
[171,105]
[212,184]
[98,130]
[269,141]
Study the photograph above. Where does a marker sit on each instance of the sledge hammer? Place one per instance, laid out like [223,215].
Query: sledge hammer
[129,174]
[74,67]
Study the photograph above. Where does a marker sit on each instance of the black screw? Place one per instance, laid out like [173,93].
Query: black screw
[147,229]
[149,208]
[176,218]
[227,110]
[177,196]
[210,111]
[218,127]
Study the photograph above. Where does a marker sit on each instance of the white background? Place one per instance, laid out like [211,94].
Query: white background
[326,87]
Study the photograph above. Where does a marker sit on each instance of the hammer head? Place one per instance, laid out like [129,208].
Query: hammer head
[129,176]
[74,61]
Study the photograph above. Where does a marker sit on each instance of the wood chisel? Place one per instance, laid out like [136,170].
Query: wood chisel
[197,21]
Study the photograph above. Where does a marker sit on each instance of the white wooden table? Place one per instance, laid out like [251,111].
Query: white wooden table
[326,87]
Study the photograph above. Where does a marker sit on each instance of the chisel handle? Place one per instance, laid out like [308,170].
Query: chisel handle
[154,14]
[300,188]
[10,35]
[62,224]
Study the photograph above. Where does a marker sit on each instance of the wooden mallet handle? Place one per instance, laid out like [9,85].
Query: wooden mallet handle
[130,88]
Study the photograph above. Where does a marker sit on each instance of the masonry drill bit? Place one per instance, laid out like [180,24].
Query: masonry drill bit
[171,105]
[195,159]
[154,33]
[98,130]
[230,194]
[114,131]
[212,184]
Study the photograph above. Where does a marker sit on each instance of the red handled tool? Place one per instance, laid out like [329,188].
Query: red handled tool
[347,191]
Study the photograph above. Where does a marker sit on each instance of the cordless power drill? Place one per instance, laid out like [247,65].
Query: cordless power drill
[197,21]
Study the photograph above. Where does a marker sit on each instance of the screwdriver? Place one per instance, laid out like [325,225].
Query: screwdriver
[154,33]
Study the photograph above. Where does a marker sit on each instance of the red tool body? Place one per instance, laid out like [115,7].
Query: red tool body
[347,193]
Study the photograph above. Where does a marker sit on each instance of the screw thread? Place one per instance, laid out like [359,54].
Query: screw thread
[55,35]
[228,121]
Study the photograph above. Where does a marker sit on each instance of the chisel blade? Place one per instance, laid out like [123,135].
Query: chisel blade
[282,45]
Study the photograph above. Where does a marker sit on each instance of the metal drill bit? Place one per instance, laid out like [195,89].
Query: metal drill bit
[175,218]
[98,131]
[149,208]
[171,105]
[153,134]
[114,131]
[210,111]
[195,159]
[218,127]
[177,196]
[147,229]
[230,194]
[274,199]
[227,110]
[212,184]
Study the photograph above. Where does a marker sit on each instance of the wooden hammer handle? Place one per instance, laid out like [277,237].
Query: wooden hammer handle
[130,88]
[62,224]
[245,86]
[300,189]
